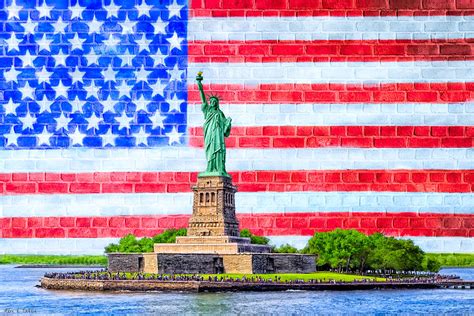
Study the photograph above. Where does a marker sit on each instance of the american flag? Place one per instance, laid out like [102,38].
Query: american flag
[351,114]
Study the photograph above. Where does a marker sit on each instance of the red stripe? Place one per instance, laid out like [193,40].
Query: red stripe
[247,181]
[329,51]
[222,8]
[342,93]
[344,136]
[305,224]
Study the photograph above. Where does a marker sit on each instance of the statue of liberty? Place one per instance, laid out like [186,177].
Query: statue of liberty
[216,127]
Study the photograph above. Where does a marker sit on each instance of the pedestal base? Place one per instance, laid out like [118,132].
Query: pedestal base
[207,263]
[211,244]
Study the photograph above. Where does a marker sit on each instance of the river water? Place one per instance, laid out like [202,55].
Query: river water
[18,295]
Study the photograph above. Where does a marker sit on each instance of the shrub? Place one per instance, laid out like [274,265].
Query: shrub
[286,248]
[130,243]
[254,239]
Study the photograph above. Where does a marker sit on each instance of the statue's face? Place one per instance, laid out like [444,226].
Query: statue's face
[214,102]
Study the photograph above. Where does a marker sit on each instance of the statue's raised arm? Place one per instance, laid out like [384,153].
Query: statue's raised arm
[199,79]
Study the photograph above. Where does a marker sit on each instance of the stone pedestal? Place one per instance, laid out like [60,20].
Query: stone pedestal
[214,208]
[212,244]
[213,227]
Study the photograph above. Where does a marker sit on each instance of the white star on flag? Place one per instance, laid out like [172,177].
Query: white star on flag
[27,121]
[29,26]
[61,90]
[108,104]
[77,137]
[11,75]
[44,43]
[92,91]
[123,89]
[60,58]
[175,73]
[60,26]
[158,88]
[158,58]
[77,42]
[93,122]
[27,59]
[174,136]
[124,121]
[125,60]
[77,75]
[13,43]
[142,74]
[13,11]
[94,26]
[141,137]
[127,26]
[108,138]
[77,104]
[175,9]
[109,74]
[144,9]
[92,58]
[27,91]
[112,9]
[157,120]
[111,42]
[143,43]
[62,122]
[44,10]
[175,41]
[159,26]
[43,138]
[44,104]
[175,103]
[141,104]
[10,107]
[76,11]
[44,75]
[12,137]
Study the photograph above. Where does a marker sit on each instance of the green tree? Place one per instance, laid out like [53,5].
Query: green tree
[431,264]
[339,249]
[254,239]
[286,248]
[169,236]
[395,254]
[352,250]
[130,243]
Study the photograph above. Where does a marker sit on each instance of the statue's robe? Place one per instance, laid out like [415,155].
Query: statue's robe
[216,127]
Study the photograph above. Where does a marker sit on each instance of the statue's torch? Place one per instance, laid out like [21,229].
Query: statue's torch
[199,76]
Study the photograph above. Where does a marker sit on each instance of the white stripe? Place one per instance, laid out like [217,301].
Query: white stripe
[330,28]
[246,202]
[323,114]
[334,72]
[428,244]
[193,159]
[95,246]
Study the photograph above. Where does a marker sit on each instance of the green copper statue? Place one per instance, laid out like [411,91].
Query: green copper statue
[216,127]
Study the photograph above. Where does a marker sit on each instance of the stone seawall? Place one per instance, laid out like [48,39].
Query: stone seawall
[209,286]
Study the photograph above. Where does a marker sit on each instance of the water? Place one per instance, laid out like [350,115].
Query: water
[18,294]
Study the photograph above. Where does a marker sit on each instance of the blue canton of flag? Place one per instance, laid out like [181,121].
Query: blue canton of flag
[92,73]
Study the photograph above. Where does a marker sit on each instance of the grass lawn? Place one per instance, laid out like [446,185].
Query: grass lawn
[47,259]
[323,276]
